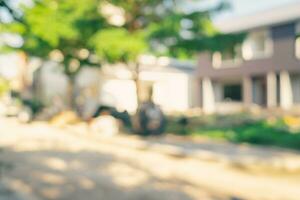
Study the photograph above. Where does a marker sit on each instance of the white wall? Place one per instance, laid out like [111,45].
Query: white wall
[120,93]
[173,91]
[170,90]
[53,83]
[88,90]
[12,68]
[9,65]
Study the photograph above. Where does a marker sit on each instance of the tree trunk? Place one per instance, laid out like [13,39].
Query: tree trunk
[137,83]
[71,94]
[23,79]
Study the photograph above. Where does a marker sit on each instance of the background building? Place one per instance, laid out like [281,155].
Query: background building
[264,70]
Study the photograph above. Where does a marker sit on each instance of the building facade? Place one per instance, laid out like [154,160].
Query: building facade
[262,71]
[169,83]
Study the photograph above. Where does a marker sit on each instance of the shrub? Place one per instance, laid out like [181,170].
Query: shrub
[4,86]
[241,129]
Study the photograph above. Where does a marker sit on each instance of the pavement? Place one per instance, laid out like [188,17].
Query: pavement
[8,191]
[243,156]
[70,163]
[8,194]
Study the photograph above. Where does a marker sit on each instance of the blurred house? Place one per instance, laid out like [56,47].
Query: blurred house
[13,68]
[263,71]
[171,84]
[50,84]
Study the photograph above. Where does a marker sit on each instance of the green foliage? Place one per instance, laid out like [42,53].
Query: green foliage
[126,42]
[161,27]
[118,45]
[140,13]
[169,30]
[65,25]
[201,36]
[4,86]
[224,42]
[256,133]
[183,35]
[240,128]
[50,21]
[35,105]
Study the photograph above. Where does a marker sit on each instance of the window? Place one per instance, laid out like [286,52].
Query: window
[297,43]
[233,92]
[297,47]
[296,88]
[229,55]
[228,58]
[258,44]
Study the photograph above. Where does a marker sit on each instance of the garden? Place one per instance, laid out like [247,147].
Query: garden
[281,131]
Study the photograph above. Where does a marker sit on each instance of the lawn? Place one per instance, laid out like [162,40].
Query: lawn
[242,128]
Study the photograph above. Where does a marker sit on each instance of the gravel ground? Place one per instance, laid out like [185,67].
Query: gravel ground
[49,163]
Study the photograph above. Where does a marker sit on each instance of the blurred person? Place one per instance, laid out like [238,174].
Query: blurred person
[150,118]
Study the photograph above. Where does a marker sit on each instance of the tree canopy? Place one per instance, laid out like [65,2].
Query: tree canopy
[120,45]
[164,28]
[77,33]
[60,29]
[87,33]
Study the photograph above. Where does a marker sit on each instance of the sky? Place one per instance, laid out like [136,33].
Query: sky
[238,7]
[245,7]
[248,6]
[5,17]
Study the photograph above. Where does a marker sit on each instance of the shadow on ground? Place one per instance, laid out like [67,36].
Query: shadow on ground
[89,175]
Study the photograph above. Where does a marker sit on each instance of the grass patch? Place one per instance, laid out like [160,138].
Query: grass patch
[240,129]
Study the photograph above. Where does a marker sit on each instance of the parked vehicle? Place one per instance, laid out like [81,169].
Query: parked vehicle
[24,109]
[149,120]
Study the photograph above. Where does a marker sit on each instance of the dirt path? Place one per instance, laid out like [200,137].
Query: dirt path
[49,163]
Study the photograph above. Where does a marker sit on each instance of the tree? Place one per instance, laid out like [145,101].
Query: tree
[183,34]
[156,26]
[73,32]
[118,45]
[60,30]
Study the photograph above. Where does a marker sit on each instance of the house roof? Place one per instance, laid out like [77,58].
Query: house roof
[274,16]
[170,65]
[156,65]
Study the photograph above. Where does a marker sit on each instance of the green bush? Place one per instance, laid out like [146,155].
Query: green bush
[34,104]
[240,129]
[4,86]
